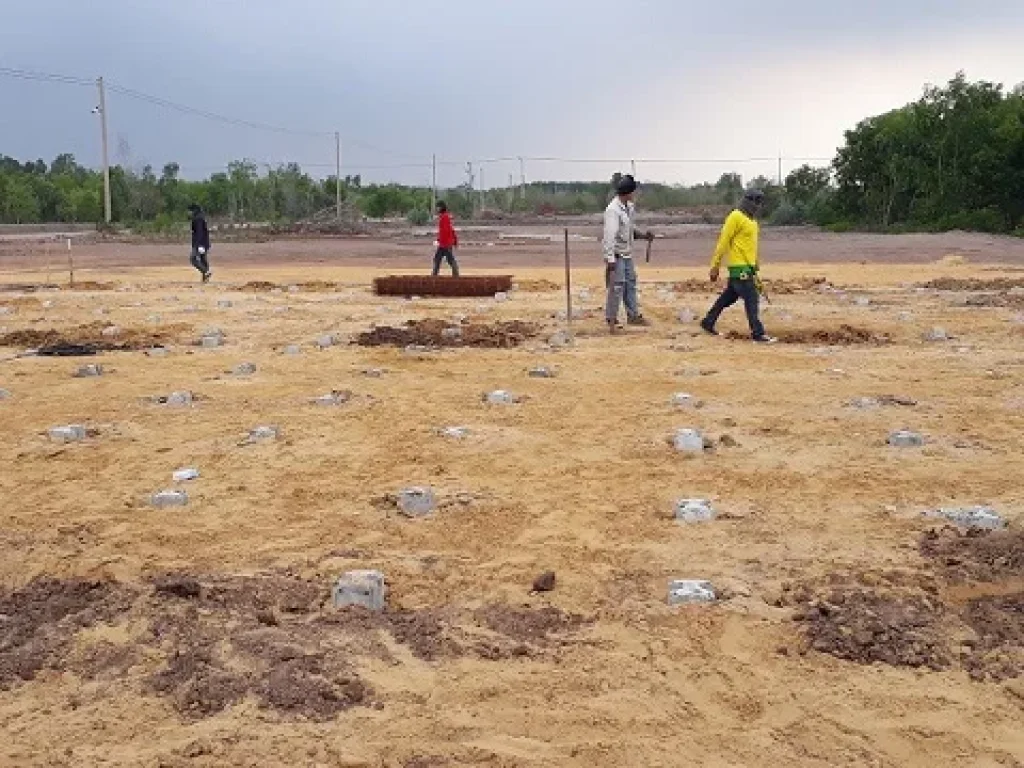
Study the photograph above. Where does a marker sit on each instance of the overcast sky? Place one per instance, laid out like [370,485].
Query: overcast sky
[471,79]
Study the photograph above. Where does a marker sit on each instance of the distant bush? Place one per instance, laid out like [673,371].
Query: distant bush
[788,215]
[418,217]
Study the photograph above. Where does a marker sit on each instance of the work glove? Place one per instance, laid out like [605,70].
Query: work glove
[714,274]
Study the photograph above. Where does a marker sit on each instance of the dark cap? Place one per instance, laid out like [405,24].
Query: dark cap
[626,186]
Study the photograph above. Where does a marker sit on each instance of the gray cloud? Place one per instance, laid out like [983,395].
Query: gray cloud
[478,78]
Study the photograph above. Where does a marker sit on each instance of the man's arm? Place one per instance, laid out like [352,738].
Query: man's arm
[611,230]
[205,234]
[724,245]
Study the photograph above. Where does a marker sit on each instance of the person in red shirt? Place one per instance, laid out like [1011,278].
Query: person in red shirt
[447,240]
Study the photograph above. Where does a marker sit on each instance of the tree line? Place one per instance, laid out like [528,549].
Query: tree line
[952,159]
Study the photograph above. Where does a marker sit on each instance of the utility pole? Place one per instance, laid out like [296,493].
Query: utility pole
[483,199]
[780,167]
[522,178]
[469,184]
[511,193]
[106,160]
[632,167]
[337,178]
[433,184]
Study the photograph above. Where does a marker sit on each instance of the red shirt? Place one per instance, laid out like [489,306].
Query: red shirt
[446,237]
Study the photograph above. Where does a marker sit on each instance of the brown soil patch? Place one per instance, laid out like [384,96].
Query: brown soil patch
[89,339]
[997,650]
[537,626]
[973,284]
[975,555]
[312,286]
[257,286]
[440,333]
[773,287]
[89,285]
[39,621]
[537,286]
[867,627]
[845,335]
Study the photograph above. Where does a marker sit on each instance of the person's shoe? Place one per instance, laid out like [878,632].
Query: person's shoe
[638,320]
[614,327]
[765,340]
[709,329]
[207,276]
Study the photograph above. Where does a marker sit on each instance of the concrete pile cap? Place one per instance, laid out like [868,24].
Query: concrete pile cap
[364,588]
[292,349]
[694,511]
[688,441]
[68,434]
[157,352]
[184,475]
[171,498]
[455,433]
[970,517]
[500,397]
[685,400]
[325,340]
[683,591]
[905,438]
[416,502]
[179,399]
[937,334]
[225,303]
[88,371]
[264,433]
[541,372]
[244,369]
[110,331]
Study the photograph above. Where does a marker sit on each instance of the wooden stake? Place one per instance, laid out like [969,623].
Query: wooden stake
[71,264]
[568,285]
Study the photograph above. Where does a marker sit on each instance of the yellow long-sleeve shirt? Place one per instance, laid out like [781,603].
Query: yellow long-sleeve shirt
[738,241]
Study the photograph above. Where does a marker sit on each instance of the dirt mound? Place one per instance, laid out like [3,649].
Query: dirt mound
[975,555]
[537,286]
[257,286]
[89,339]
[973,284]
[38,622]
[997,648]
[694,286]
[440,333]
[773,287]
[529,625]
[312,286]
[867,627]
[845,335]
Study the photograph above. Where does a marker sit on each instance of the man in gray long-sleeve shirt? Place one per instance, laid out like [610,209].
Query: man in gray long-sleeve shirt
[620,274]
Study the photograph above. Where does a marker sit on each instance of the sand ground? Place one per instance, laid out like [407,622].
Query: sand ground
[579,478]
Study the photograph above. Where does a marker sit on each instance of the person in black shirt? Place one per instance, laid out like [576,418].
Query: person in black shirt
[200,242]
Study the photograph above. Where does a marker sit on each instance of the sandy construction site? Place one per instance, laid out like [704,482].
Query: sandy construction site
[848,629]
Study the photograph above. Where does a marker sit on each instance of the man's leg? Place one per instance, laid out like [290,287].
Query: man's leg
[438,258]
[194,260]
[752,305]
[629,292]
[616,287]
[452,262]
[727,299]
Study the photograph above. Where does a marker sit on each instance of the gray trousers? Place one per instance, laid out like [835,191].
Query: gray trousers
[445,254]
[621,290]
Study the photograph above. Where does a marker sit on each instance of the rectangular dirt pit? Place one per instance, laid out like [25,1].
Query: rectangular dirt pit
[427,285]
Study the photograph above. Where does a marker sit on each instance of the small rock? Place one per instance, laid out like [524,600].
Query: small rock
[545,582]
[5,394]
[174,498]
[89,371]
[244,369]
[264,433]
[111,331]
[560,339]
[373,373]
[500,297]
[686,315]
[326,340]
[541,372]
[970,517]
[694,511]
[455,433]
[905,438]
[683,591]
[224,304]
[72,433]
[179,399]
[416,502]
[862,301]
[359,588]
[684,400]
[157,352]
[337,397]
[209,342]
[500,397]
[864,403]
[688,441]
[292,349]
[936,334]
[184,475]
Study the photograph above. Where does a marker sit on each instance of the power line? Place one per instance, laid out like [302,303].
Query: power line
[48,77]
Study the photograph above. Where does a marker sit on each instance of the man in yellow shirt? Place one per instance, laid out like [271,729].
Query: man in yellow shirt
[738,241]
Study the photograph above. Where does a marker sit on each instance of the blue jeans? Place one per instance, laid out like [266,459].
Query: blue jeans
[738,289]
[621,290]
[445,254]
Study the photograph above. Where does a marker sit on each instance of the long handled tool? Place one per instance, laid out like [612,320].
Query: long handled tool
[650,242]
